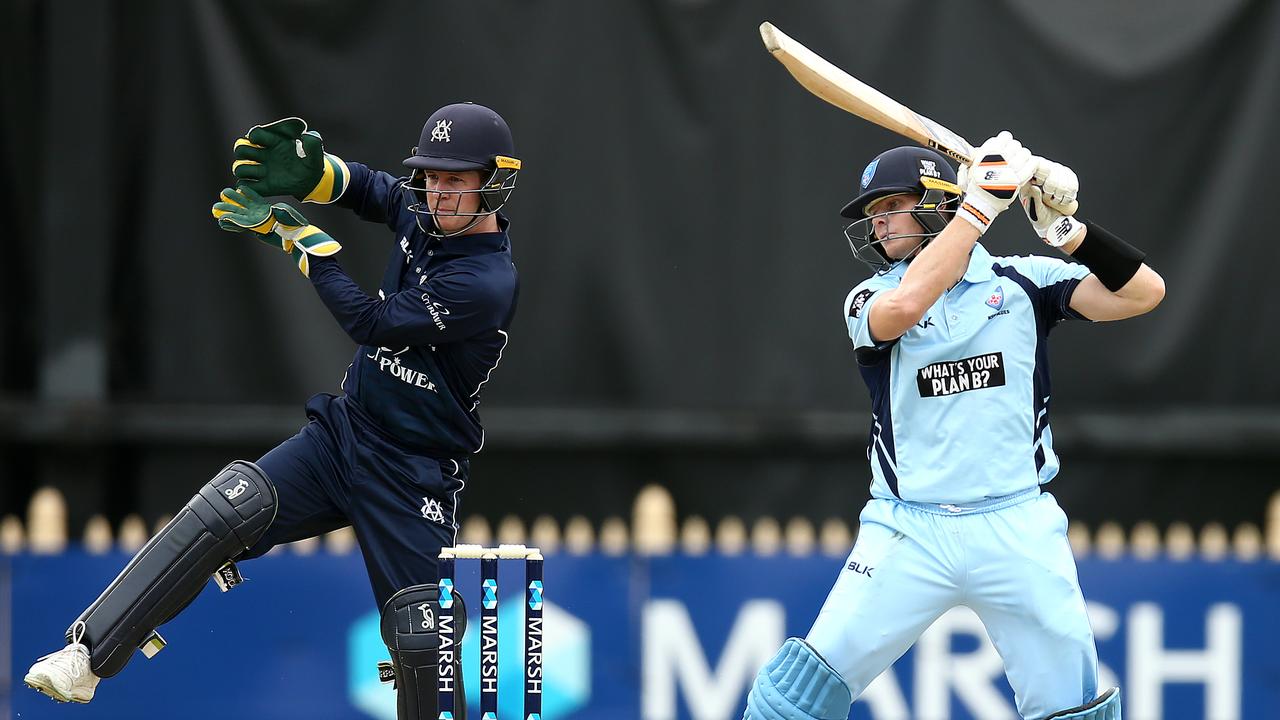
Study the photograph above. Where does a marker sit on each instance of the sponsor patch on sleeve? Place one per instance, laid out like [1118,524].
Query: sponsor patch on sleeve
[950,377]
[859,302]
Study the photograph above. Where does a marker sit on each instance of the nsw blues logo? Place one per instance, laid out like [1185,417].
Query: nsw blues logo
[869,173]
[996,300]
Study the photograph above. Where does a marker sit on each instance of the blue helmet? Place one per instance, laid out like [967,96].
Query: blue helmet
[461,137]
[908,169]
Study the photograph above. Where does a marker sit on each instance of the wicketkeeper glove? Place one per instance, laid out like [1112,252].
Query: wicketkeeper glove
[285,158]
[279,225]
[1001,166]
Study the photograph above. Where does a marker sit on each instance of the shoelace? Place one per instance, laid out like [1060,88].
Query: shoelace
[78,630]
[73,663]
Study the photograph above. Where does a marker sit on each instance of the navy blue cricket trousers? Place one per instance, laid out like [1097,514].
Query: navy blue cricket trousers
[342,470]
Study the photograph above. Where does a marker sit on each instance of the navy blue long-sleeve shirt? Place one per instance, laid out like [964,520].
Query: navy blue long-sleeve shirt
[437,330]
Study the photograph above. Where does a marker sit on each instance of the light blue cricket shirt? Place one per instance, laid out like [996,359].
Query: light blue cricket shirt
[960,403]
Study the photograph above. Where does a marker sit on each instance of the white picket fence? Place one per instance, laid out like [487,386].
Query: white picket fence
[656,529]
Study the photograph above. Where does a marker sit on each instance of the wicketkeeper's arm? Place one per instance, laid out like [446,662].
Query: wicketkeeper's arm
[452,306]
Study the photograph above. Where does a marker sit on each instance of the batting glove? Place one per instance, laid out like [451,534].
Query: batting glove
[285,158]
[280,226]
[1051,225]
[1059,185]
[1001,166]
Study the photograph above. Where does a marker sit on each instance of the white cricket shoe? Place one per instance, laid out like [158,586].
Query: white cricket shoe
[65,675]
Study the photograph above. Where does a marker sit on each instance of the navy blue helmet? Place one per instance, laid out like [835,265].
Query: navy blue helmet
[908,169]
[461,137]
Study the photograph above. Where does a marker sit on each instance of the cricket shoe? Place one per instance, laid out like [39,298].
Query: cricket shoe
[65,675]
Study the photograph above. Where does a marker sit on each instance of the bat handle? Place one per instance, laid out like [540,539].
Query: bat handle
[1038,180]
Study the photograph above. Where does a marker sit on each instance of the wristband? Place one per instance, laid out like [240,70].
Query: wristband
[1113,260]
[977,213]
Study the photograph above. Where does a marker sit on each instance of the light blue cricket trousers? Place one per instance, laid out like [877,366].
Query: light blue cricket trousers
[1009,562]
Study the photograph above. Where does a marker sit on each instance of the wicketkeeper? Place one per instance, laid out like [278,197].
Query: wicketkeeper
[389,456]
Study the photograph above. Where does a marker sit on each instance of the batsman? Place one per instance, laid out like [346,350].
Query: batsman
[952,345]
[389,456]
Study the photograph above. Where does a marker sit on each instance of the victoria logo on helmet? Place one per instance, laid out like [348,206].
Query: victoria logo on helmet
[441,131]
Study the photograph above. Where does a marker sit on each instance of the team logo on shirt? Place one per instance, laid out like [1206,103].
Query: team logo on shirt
[950,377]
[996,300]
[859,301]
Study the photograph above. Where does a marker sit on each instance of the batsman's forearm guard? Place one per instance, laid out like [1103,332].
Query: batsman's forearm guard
[1113,260]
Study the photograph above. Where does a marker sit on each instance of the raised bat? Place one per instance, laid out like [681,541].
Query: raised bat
[854,96]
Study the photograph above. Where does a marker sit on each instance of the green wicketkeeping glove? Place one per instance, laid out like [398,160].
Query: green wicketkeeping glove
[285,158]
[280,226]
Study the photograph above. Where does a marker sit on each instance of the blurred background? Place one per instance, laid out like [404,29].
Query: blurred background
[676,228]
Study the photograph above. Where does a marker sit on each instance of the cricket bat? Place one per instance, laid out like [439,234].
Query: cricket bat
[854,96]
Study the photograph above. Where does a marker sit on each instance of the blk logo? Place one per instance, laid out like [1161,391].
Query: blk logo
[860,568]
[238,490]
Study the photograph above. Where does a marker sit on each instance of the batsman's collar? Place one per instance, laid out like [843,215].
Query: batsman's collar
[979,269]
